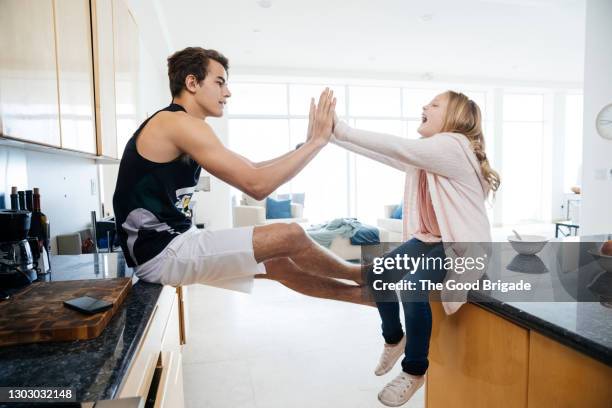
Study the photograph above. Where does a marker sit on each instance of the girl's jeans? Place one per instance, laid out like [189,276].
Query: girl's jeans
[417,312]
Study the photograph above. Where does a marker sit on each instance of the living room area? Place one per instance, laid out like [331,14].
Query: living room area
[533,139]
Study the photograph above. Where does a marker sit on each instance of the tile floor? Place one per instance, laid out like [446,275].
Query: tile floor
[276,348]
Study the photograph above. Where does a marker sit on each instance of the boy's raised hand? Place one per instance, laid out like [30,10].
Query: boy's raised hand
[321,118]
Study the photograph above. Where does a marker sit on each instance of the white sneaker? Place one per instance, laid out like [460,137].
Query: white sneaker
[401,389]
[391,353]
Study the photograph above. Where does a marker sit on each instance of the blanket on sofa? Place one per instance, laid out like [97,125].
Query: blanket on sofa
[358,233]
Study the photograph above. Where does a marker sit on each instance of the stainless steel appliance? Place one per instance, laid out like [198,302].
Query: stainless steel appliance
[16,260]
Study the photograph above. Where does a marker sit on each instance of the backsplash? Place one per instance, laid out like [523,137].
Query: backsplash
[68,186]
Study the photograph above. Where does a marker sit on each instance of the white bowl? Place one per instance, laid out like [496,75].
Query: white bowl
[529,245]
[605,261]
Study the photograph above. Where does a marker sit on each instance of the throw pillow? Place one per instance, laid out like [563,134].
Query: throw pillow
[276,209]
[398,212]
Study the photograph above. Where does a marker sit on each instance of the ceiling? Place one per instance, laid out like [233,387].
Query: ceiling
[528,40]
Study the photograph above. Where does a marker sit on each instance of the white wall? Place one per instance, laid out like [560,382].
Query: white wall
[596,211]
[556,134]
[153,91]
[214,207]
[152,29]
[68,186]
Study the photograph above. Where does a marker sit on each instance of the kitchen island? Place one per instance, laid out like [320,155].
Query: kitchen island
[553,350]
[124,359]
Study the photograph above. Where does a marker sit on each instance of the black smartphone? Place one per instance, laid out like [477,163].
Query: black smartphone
[4,295]
[88,304]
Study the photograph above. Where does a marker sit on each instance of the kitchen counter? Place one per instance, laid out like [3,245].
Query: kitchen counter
[93,368]
[546,346]
[575,317]
[565,305]
[583,326]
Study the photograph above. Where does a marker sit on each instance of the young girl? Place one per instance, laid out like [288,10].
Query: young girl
[448,179]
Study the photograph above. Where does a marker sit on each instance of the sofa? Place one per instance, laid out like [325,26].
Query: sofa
[253,212]
[342,246]
[393,226]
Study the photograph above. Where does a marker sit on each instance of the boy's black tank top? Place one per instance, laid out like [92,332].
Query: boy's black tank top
[152,201]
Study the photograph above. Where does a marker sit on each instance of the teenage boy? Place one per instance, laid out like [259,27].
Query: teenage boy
[157,176]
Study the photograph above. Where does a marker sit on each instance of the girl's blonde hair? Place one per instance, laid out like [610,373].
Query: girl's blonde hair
[463,116]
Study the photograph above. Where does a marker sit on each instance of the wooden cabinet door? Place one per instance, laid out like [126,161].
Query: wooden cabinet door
[126,72]
[477,359]
[75,72]
[182,295]
[28,73]
[561,377]
[104,77]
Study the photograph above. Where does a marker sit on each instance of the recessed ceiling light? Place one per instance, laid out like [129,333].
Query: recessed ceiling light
[427,17]
[264,3]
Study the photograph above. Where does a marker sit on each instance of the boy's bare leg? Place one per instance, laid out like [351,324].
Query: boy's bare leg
[285,271]
[290,241]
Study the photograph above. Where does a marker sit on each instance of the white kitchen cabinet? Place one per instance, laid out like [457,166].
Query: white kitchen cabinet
[104,77]
[116,50]
[156,371]
[126,45]
[75,75]
[69,74]
[29,107]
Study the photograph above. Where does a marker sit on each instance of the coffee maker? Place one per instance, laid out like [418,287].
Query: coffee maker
[16,260]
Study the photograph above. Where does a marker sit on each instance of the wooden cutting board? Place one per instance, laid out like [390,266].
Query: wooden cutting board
[38,314]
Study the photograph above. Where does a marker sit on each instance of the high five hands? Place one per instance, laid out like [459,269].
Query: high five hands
[321,119]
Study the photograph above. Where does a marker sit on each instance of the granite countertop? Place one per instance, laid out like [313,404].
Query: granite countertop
[570,302]
[93,368]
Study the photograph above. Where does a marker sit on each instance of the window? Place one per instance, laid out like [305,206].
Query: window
[299,98]
[573,142]
[260,139]
[480,98]
[267,120]
[258,99]
[522,146]
[376,184]
[324,180]
[413,101]
[523,108]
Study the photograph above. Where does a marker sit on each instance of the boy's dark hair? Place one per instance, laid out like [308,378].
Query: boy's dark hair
[194,61]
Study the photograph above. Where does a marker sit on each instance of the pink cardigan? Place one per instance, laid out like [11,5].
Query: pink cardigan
[456,185]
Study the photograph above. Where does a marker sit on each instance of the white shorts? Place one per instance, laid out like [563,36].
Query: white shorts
[222,258]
